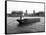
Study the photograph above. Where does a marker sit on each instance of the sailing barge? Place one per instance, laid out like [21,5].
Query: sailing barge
[31,21]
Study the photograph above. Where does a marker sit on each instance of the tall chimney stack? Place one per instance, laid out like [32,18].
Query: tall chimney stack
[26,11]
[33,12]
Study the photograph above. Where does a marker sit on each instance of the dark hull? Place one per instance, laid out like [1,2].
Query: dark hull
[28,21]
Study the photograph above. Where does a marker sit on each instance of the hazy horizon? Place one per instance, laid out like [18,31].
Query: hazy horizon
[21,6]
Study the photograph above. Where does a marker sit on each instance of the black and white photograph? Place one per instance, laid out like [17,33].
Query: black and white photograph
[25,17]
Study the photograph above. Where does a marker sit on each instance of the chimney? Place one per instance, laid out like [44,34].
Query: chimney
[33,12]
[26,11]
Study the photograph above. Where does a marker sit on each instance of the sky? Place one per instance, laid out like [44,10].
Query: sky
[21,6]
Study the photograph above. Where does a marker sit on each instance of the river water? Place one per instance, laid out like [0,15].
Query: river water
[12,25]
